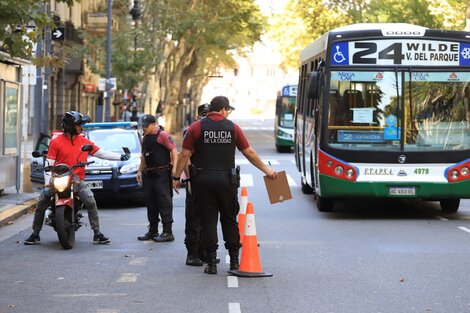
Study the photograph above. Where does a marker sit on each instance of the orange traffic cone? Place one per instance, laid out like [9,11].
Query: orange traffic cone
[242,213]
[250,265]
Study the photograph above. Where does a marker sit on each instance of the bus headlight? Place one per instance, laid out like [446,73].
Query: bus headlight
[349,173]
[284,134]
[329,163]
[464,171]
[129,168]
[339,170]
[61,183]
[454,174]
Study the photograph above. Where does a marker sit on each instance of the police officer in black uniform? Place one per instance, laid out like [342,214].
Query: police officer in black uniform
[192,230]
[211,143]
[155,171]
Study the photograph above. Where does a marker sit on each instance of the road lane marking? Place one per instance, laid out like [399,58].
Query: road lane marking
[128,278]
[77,295]
[138,261]
[232,281]
[291,181]
[234,307]
[107,311]
[464,229]
[442,218]
[246,180]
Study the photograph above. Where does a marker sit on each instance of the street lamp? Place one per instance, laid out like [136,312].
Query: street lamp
[107,115]
[135,13]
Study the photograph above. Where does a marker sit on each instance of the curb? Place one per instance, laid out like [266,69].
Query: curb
[11,214]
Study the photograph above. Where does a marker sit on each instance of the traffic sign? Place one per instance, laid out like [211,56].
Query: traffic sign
[110,85]
[58,33]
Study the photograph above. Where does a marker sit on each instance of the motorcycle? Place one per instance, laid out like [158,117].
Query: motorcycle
[64,213]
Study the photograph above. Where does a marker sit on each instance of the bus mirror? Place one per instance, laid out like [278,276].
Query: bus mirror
[313,83]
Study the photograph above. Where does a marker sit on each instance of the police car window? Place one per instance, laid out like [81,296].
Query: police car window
[114,141]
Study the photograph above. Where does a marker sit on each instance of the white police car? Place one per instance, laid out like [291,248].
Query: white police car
[109,180]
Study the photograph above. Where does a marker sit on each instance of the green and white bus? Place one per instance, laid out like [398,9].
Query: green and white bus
[383,110]
[284,120]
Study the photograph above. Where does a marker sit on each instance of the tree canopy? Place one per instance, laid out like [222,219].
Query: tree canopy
[19,19]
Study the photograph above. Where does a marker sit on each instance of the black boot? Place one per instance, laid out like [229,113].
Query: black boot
[153,231]
[192,258]
[234,264]
[166,236]
[211,267]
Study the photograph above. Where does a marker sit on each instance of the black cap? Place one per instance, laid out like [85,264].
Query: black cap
[220,102]
[148,119]
[203,109]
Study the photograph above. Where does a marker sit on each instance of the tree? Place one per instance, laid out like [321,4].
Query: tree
[180,43]
[199,36]
[23,18]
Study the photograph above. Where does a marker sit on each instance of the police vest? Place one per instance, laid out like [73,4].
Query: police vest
[215,149]
[156,155]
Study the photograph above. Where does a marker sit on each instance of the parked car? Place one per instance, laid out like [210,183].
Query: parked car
[109,180]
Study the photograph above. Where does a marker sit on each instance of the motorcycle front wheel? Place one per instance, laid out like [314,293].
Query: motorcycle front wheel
[64,226]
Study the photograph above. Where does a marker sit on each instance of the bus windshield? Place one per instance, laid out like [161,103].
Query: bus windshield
[399,110]
[286,114]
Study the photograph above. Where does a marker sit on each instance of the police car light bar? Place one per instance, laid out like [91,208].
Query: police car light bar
[111,125]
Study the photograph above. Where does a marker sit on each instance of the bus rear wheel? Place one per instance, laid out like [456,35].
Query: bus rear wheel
[324,204]
[450,205]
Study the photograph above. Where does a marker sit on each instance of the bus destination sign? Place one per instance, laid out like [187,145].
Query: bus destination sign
[404,52]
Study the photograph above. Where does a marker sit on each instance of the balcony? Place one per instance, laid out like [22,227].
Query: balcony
[97,23]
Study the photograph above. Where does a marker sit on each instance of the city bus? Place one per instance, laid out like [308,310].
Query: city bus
[284,120]
[383,110]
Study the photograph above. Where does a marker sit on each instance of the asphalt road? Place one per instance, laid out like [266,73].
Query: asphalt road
[368,256]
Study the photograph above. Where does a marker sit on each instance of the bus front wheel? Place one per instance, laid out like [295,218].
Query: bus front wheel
[450,205]
[324,204]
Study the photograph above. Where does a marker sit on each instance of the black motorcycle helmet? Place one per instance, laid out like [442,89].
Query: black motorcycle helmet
[72,118]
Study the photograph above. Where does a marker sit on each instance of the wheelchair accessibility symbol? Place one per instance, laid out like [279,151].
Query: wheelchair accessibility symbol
[340,53]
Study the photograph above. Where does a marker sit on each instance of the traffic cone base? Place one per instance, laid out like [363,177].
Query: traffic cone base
[249,274]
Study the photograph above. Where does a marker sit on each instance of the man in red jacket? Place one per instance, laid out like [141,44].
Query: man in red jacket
[67,149]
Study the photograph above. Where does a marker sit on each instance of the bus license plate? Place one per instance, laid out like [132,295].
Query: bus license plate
[402,191]
[94,184]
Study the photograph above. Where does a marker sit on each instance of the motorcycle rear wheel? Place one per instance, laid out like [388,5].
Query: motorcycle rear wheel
[64,226]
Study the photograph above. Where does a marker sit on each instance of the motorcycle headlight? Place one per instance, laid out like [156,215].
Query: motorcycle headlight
[60,183]
[130,168]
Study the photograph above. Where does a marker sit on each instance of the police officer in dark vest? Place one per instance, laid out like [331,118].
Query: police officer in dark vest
[211,143]
[192,230]
[155,171]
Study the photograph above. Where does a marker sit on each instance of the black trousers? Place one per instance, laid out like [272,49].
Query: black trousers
[159,198]
[215,194]
[192,230]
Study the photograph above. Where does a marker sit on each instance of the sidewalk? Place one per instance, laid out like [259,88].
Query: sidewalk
[13,205]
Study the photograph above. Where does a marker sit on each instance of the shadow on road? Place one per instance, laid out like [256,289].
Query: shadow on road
[387,209]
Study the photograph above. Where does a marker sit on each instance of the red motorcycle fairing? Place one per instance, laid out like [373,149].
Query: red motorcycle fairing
[65,201]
